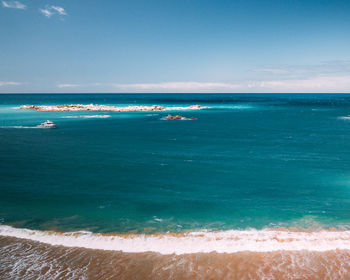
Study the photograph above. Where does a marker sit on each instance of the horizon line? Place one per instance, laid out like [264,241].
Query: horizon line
[272,93]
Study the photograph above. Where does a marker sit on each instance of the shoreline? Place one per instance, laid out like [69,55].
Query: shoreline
[34,260]
[228,242]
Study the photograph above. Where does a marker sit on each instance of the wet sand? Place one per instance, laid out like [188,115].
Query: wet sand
[27,259]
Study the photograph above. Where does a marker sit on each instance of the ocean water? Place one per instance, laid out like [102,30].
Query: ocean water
[250,161]
[226,182]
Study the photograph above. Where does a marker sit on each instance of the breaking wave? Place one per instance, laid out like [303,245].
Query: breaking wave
[88,117]
[237,106]
[26,259]
[232,241]
[20,126]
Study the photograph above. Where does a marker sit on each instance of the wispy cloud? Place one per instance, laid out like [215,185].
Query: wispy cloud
[334,67]
[53,10]
[13,5]
[3,83]
[178,86]
[319,83]
[46,12]
[326,77]
[67,85]
[271,70]
[59,10]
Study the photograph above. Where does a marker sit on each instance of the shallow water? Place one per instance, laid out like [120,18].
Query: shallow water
[33,260]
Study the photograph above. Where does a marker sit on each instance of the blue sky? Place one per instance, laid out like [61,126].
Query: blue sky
[174,46]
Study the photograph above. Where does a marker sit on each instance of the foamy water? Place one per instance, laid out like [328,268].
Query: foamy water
[344,118]
[25,127]
[88,117]
[232,241]
[29,259]
[26,259]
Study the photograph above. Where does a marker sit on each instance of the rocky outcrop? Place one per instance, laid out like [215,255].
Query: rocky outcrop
[92,107]
[178,117]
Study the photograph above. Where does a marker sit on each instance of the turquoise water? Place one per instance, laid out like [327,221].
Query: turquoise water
[250,161]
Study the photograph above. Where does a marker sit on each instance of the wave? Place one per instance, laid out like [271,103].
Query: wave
[182,119]
[236,106]
[344,117]
[87,117]
[20,126]
[26,259]
[232,241]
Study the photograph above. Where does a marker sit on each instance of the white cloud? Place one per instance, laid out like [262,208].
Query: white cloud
[178,86]
[13,5]
[317,83]
[67,85]
[335,67]
[59,10]
[320,83]
[2,83]
[46,12]
[53,10]
[271,70]
[325,77]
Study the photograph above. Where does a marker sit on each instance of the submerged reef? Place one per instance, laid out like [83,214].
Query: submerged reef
[93,107]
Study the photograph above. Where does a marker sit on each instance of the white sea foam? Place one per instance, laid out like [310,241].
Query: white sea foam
[19,126]
[236,106]
[182,119]
[344,118]
[193,242]
[25,127]
[87,117]
[242,107]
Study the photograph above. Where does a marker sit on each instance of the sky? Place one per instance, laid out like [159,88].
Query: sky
[175,46]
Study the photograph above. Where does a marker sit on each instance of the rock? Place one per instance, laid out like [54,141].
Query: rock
[92,107]
[178,117]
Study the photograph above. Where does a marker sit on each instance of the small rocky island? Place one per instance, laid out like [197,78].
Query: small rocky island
[95,107]
[178,117]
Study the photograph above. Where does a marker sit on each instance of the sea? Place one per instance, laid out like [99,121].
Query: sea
[256,186]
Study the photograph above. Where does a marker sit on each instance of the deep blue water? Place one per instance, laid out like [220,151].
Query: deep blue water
[250,161]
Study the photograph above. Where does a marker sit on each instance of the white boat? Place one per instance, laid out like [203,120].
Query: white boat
[47,124]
